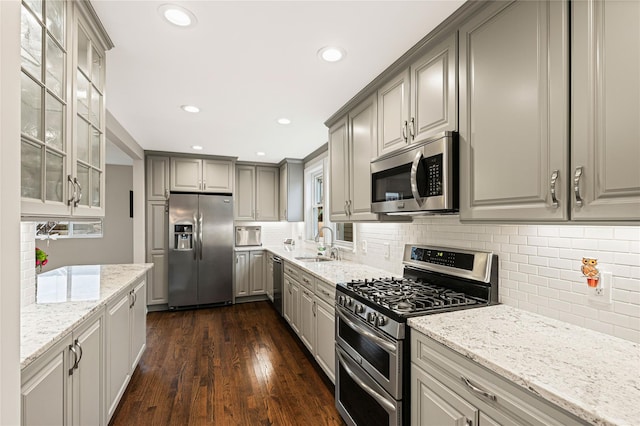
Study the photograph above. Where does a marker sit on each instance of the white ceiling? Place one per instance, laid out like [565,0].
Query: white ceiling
[248,63]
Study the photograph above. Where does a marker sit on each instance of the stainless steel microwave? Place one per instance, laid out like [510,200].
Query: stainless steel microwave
[421,178]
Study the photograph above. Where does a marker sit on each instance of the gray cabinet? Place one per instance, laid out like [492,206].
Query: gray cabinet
[250,277]
[157,251]
[514,112]
[421,100]
[307,318]
[448,388]
[325,328]
[242,273]
[201,175]
[157,172]
[605,106]
[66,384]
[157,227]
[352,145]
[44,393]
[62,110]
[256,197]
[125,321]
[291,191]
[291,302]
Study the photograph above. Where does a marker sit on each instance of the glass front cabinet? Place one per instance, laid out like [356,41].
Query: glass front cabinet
[63,49]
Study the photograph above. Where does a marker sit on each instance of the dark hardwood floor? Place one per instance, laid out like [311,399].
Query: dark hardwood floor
[235,365]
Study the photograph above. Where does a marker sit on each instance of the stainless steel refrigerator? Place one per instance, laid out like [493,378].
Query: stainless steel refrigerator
[200,250]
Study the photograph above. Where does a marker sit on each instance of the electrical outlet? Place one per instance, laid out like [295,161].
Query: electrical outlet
[363,246]
[387,250]
[602,293]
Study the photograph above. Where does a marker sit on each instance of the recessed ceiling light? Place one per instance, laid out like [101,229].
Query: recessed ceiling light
[284,121]
[178,15]
[196,147]
[260,154]
[331,53]
[190,108]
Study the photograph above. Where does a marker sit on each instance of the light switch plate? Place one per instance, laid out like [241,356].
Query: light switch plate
[387,250]
[363,246]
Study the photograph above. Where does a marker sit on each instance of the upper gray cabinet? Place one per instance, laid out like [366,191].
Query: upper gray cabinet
[157,177]
[291,191]
[257,194]
[421,100]
[201,175]
[514,112]
[605,134]
[352,144]
[63,47]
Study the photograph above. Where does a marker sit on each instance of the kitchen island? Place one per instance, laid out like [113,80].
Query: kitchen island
[593,376]
[81,342]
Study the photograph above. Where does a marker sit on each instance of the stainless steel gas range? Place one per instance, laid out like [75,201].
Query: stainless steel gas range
[372,342]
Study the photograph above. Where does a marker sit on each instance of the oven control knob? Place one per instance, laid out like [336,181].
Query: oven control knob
[349,302]
[380,321]
[371,317]
[359,309]
[341,300]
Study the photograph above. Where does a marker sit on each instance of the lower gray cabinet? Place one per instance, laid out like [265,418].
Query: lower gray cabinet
[249,279]
[325,332]
[65,385]
[125,340]
[450,389]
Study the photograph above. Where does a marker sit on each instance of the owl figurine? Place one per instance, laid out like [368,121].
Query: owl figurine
[589,268]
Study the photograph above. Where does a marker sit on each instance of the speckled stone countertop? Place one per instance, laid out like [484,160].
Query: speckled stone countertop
[592,375]
[335,271]
[66,296]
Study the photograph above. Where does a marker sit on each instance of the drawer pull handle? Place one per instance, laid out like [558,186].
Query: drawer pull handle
[478,390]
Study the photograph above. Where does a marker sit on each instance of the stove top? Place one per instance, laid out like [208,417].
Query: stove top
[408,297]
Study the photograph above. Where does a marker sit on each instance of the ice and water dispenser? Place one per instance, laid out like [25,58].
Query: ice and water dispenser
[183,237]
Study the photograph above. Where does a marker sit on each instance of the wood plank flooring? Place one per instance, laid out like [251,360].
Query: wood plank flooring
[234,365]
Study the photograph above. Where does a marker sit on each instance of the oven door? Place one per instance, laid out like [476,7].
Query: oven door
[378,354]
[359,399]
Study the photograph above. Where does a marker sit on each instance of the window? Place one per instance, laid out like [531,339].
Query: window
[315,207]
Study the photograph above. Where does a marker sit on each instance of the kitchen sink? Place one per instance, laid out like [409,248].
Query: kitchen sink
[314,259]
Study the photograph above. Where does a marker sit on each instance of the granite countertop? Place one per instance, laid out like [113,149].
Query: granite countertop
[66,296]
[590,374]
[334,271]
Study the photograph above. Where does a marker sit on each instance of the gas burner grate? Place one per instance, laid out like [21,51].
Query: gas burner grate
[406,296]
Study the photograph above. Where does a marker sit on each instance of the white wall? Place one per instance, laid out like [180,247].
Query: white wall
[9,212]
[539,265]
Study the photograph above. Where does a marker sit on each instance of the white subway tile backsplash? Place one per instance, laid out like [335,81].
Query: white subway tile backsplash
[539,264]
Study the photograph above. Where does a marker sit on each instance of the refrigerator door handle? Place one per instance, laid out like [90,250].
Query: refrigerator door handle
[195,238]
[200,234]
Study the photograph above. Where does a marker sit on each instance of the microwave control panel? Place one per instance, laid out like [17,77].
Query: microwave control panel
[433,166]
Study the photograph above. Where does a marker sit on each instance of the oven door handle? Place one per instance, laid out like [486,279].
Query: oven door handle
[414,178]
[390,347]
[372,393]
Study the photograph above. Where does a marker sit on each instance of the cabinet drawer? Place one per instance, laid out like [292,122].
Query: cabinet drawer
[326,292]
[308,281]
[451,368]
[292,271]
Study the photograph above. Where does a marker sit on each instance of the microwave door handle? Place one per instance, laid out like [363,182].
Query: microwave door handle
[414,178]
[390,347]
[372,393]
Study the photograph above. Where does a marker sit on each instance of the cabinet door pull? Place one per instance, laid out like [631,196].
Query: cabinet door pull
[73,197]
[404,130]
[313,308]
[554,179]
[72,348]
[77,345]
[166,194]
[349,208]
[576,185]
[412,129]
[478,390]
[77,200]
[346,213]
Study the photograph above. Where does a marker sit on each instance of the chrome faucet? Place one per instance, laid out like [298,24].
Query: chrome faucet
[334,252]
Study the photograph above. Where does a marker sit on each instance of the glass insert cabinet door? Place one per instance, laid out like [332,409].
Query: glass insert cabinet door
[62,109]
[89,124]
[44,103]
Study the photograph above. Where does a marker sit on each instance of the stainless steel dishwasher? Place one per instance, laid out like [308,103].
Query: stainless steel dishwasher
[278,278]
